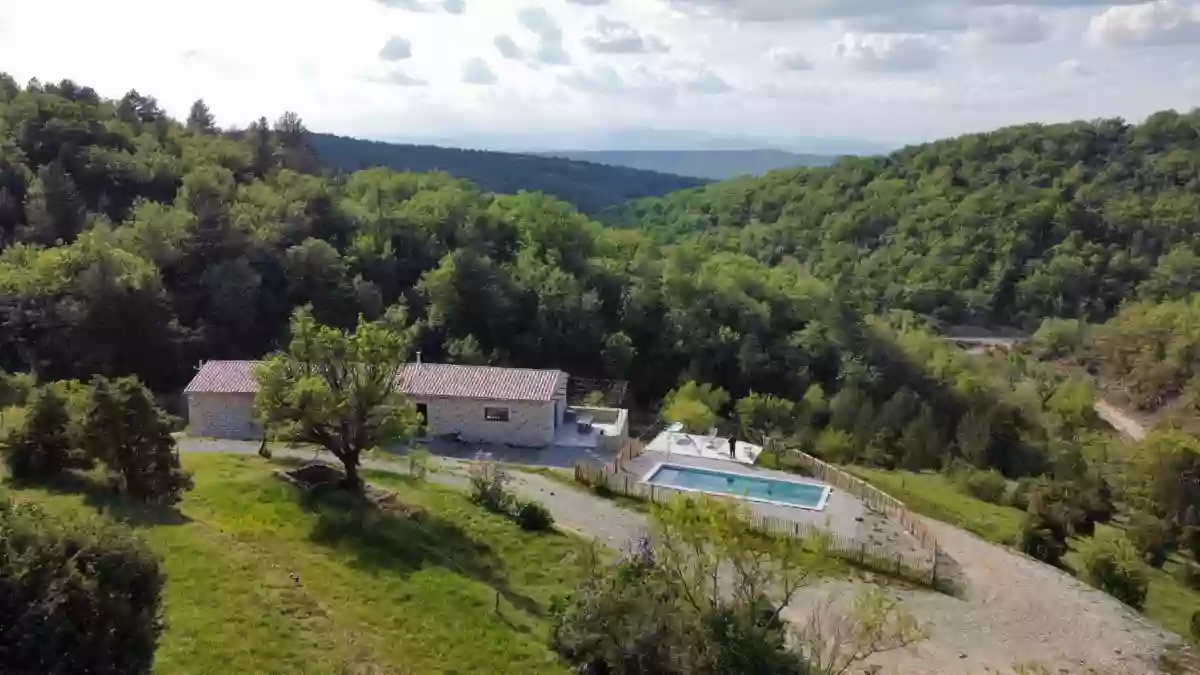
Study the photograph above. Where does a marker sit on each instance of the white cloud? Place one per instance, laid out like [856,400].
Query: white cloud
[451,6]
[1154,23]
[550,48]
[396,49]
[708,82]
[789,59]
[508,48]
[1072,68]
[326,64]
[791,10]
[477,71]
[1010,26]
[399,78]
[618,37]
[888,53]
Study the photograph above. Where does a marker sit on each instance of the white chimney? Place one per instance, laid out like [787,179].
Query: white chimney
[418,358]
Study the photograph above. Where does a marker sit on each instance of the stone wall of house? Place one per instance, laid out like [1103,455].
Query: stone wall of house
[529,424]
[229,416]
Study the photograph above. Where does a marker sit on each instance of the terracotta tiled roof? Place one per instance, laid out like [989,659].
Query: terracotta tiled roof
[484,382]
[430,380]
[224,377]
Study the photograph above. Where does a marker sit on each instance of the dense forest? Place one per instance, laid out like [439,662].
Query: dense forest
[1148,355]
[712,164]
[591,187]
[1000,228]
[137,245]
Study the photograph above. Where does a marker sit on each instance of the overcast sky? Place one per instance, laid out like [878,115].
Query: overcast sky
[780,68]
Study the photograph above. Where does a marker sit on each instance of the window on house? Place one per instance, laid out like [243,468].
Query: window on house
[495,414]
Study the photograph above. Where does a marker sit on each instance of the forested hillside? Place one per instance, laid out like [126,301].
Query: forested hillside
[712,164]
[590,187]
[1001,228]
[133,244]
[1147,356]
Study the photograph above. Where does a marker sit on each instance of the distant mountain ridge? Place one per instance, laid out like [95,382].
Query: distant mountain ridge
[710,164]
[551,142]
[590,187]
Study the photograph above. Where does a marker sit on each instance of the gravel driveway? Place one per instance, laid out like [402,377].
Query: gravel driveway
[1014,610]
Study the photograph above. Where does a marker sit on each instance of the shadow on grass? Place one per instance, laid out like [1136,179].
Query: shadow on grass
[107,501]
[392,540]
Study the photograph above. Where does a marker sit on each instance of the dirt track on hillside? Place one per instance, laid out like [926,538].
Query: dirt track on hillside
[1014,610]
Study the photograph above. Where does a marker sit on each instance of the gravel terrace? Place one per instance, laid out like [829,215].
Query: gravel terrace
[1013,610]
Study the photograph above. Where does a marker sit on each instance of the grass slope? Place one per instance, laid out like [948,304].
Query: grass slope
[376,594]
[936,496]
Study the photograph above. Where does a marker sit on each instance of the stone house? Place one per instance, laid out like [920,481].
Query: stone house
[477,404]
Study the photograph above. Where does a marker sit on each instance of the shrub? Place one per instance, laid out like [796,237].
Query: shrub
[1188,574]
[489,483]
[835,446]
[1112,564]
[1196,625]
[40,448]
[75,597]
[1042,541]
[988,486]
[1017,495]
[127,431]
[419,460]
[1152,537]
[534,517]
[768,459]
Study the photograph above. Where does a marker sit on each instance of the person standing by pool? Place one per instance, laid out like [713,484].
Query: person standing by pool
[733,448]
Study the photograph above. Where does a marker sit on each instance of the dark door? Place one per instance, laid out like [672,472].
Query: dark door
[423,415]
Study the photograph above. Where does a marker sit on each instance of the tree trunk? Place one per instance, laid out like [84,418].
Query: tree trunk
[353,480]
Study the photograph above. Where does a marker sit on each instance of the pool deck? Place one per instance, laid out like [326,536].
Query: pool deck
[706,447]
[844,514]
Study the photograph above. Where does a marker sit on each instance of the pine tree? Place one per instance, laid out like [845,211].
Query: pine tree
[200,119]
[127,431]
[41,447]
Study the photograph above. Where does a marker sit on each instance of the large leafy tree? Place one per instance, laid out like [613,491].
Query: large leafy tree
[337,389]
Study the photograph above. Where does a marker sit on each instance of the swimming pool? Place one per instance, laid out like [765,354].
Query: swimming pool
[811,496]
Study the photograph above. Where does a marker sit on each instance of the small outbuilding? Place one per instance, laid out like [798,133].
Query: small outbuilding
[477,404]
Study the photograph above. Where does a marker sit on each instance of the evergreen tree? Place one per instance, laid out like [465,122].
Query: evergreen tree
[40,447]
[200,120]
[127,431]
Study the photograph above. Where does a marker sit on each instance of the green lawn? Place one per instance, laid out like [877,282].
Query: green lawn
[936,496]
[377,593]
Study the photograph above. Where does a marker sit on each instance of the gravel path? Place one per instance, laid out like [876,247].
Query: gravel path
[1120,420]
[1014,610]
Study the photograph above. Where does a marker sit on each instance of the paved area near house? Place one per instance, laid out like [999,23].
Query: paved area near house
[560,456]
[704,447]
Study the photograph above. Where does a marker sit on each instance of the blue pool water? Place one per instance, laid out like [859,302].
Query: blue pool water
[792,493]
